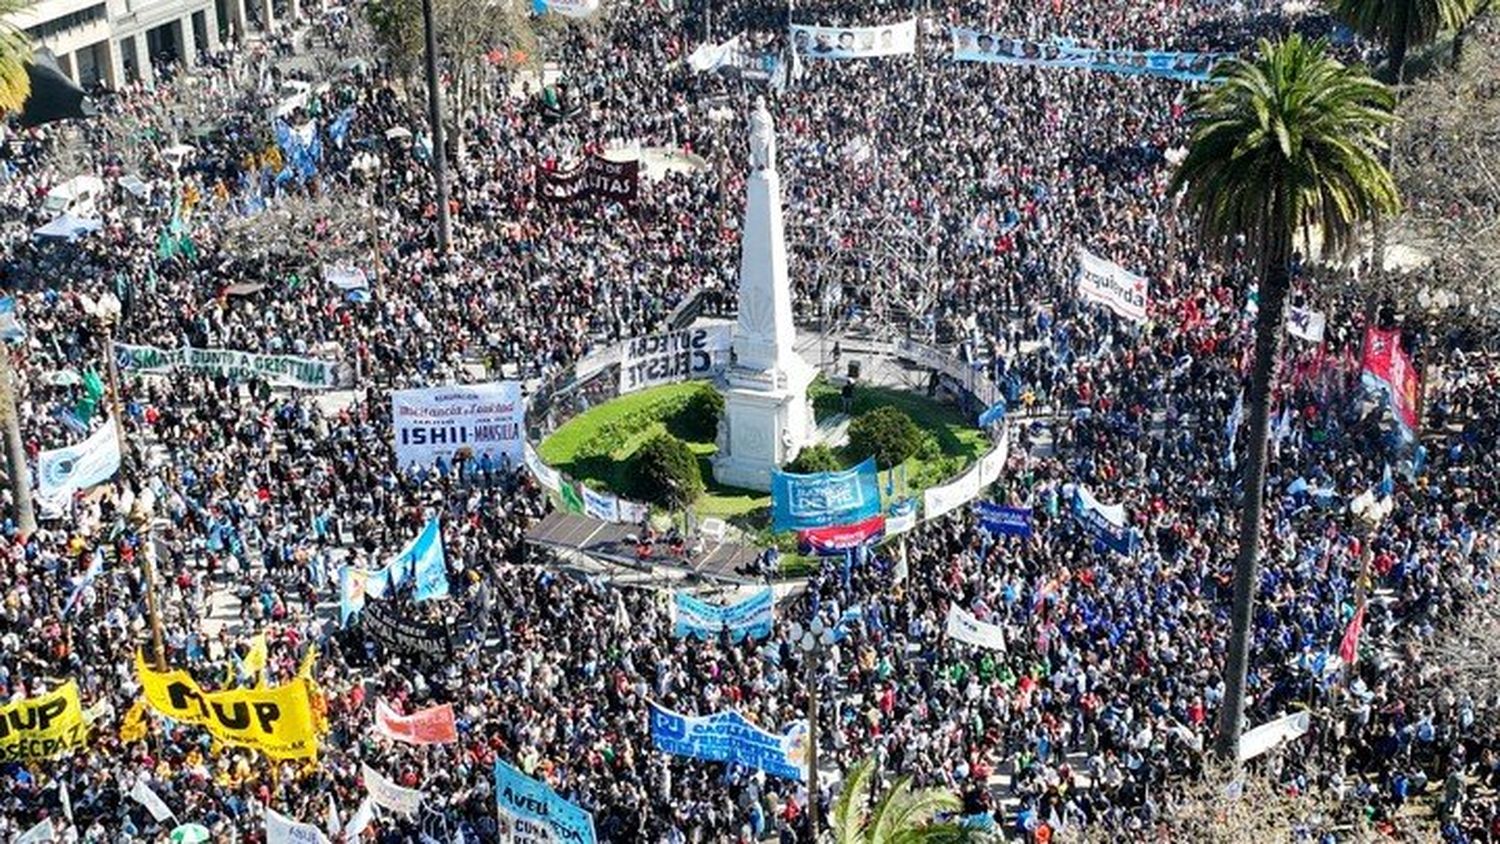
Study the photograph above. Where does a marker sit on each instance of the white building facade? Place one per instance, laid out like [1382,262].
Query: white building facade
[113,42]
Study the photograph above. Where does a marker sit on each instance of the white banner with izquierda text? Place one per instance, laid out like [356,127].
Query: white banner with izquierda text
[1113,286]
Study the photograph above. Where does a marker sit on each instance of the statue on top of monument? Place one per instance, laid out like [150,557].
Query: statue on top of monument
[762,137]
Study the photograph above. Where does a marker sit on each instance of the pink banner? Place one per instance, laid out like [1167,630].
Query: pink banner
[429,726]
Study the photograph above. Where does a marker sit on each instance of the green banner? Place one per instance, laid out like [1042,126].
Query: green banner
[279,370]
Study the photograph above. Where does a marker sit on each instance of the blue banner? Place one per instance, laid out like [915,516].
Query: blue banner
[824,499]
[972,45]
[536,813]
[1104,522]
[728,737]
[423,557]
[1003,521]
[751,617]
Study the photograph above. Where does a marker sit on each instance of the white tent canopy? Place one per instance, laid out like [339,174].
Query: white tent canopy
[67,227]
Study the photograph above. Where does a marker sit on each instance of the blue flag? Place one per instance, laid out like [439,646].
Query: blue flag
[728,737]
[824,499]
[423,558]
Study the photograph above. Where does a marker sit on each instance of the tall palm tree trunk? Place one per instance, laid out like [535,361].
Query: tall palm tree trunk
[15,450]
[1275,279]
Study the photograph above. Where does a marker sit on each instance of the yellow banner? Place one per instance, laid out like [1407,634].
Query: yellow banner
[276,721]
[43,726]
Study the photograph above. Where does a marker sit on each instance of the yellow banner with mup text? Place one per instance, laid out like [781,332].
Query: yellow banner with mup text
[43,726]
[277,721]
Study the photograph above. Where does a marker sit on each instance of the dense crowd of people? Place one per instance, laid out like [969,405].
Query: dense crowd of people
[992,177]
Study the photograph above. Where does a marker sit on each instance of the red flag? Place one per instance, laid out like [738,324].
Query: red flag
[1349,648]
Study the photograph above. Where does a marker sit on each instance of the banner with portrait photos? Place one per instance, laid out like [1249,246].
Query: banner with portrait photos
[595,176]
[855,42]
[972,45]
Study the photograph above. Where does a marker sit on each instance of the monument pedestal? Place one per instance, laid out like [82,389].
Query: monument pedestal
[764,426]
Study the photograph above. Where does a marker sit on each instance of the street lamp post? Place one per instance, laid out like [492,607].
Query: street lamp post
[435,128]
[810,641]
[107,312]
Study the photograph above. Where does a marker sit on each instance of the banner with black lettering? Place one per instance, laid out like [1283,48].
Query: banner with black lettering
[672,356]
[440,422]
[595,176]
[381,625]
[278,721]
[43,726]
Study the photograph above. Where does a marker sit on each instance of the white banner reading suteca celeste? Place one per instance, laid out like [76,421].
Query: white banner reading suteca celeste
[672,356]
[434,422]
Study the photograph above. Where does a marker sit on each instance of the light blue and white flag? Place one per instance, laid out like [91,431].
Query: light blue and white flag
[423,559]
[63,471]
[1232,427]
[600,505]
[95,567]
[535,812]
[353,585]
[751,617]
[10,328]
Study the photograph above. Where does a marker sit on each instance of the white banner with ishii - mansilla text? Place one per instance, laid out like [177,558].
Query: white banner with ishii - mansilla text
[439,422]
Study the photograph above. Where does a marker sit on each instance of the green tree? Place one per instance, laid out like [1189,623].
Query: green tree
[1287,138]
[815,458]
[666,472]
[902,815]
[885,432]
[1403,24]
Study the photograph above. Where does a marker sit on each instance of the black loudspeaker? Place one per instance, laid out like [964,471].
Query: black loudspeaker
[853,370]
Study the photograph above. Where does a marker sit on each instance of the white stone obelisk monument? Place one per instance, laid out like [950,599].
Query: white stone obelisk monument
[767,417]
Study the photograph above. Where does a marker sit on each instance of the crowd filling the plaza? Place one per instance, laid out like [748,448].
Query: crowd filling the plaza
[364,647]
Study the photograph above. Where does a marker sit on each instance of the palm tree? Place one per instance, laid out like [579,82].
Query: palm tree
[15,87]
[1287,138]
[1403,24]
[15,54]
[902,816]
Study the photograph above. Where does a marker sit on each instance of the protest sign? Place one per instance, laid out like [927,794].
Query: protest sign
[278,721]
[855,42]
[1306,324]
[281,829]
[595,176]
[535,813]
[728,737]
[671,356]
[1272,734]
[964,627]
[751,617]
[437,422]
[1003,520]
[823,499]
[1113,286]
[1104,522]
[838,539]
[971,45]
[43,726]
[380,623]
[61,472]
[277,370]
[433,725]
[389,795]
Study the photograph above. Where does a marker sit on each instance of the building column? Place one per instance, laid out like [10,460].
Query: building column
[295,9]
[240,19]
[68,64]
[211,26]
[187,41]
[268,16]
[114,65]
[143,58]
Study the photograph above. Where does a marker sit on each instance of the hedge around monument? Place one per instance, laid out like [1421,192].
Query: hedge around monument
[665,472]
[887,433]
[816,458]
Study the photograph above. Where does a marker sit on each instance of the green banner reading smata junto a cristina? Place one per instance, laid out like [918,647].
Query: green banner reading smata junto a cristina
[279,370]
